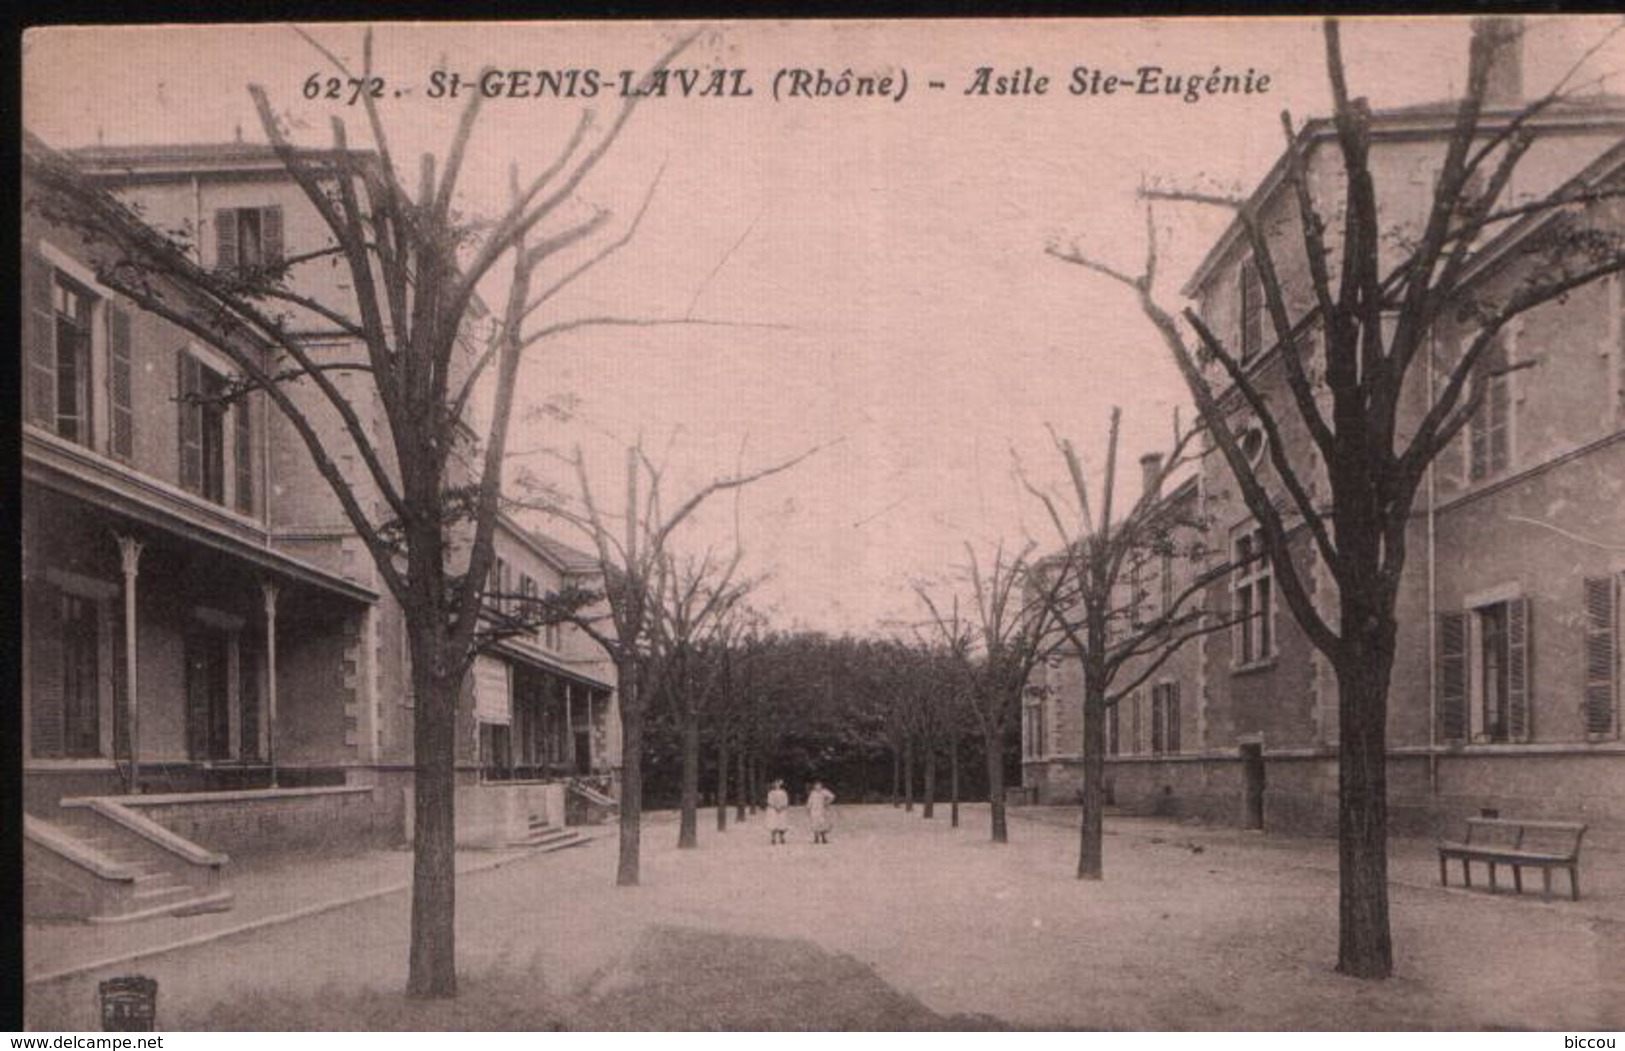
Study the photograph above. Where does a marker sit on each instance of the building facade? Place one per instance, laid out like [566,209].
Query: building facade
[1505,694]
[208,652]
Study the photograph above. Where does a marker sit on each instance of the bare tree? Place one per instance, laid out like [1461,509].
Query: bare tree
[637,566]
[733,651]
[694,625]
[1006,637]
[1095,591]
[426,500]
[1381,393]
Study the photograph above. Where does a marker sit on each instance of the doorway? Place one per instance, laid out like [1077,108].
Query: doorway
[1252,772]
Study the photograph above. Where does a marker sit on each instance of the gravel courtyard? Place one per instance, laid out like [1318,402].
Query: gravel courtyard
[905,923]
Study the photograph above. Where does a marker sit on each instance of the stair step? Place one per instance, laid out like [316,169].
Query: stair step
[218,901]
[155,877]
[550,837]
[563,844]
[168,890]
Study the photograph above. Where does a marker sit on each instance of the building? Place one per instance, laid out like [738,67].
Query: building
[1505,695]
[211,665]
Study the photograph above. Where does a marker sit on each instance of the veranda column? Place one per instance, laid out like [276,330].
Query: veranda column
[268,590]
[129,553]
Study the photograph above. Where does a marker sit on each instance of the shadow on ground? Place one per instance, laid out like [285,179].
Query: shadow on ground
[683,979]
[672,979]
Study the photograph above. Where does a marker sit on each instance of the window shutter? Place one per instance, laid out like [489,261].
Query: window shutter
[1112,724]
[1134,728]
[271,234]
[120,384]
[225,239]
[1159,726]
[243,453]
[1452,673]
[188,385]
[1518,677]
[1479,464]
[1173,717]
[1601,655]
[40,395]
[1252,318]
[47,727]
[1500,408]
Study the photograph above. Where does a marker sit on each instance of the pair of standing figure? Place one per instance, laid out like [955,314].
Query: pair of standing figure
[819,814]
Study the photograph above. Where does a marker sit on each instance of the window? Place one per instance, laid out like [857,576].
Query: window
[1250,441]
[503,583]
[1602,595]
[1034,732]
[64,317]
[1165,578]
[552,635]
[1252,601]
[496,751]
[1134,737]
[247,238]
[65,632]
[1483,673]
[1252,311]
[1165,718]
[1136,590]
[59,358]
[1489,451]
[1114,741]
[202,429]
[527,606]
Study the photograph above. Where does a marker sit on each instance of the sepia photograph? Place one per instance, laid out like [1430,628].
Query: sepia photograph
[753,525]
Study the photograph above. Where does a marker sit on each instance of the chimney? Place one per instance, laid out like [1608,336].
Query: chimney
[1503,89]
[1151,474]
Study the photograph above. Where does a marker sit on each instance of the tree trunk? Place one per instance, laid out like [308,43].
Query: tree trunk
[744,787]
[722,779]
[908,778]
[993,744]
[896,777]
[930,782]
[953,784]
[432,961]
[1364,938]
[688,825]
[1092,795]
[631,702]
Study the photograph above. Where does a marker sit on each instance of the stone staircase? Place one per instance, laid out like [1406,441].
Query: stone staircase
[586,805]
[104,863]
[545,837]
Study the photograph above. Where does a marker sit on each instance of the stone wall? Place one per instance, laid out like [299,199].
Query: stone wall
[275,820]
[1300,793]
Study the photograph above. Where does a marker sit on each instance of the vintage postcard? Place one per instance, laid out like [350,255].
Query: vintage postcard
[824,525]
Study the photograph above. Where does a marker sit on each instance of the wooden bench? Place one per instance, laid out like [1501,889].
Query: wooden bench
[1545,845]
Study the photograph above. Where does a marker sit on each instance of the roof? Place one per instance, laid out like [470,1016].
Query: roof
[569,560]
[1421,121]
[563,555]
[186,158]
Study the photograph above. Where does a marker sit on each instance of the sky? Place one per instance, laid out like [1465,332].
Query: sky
[877,266]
